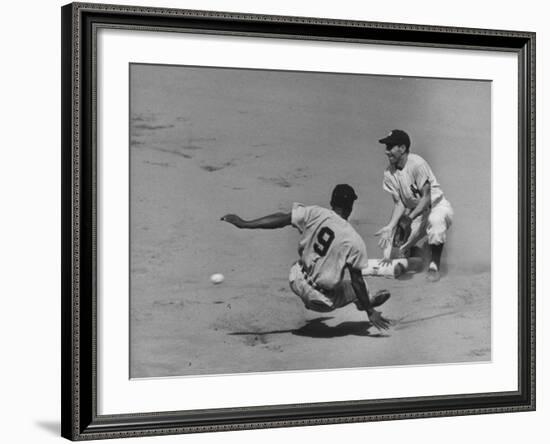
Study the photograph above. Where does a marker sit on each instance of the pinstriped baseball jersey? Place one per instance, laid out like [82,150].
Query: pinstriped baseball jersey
[406,184]
[328,244]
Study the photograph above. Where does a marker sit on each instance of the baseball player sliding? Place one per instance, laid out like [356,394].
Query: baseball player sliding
[420,207]
[328,246]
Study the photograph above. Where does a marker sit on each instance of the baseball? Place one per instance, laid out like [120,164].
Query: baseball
[217,278]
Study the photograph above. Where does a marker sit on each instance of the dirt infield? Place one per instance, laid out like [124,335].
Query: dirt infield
[204,143]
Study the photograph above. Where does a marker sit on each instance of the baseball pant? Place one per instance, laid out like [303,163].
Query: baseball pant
[322,301]
[433,224]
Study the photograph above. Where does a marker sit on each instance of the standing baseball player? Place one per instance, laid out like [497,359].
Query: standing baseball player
[328,246]
[420,207]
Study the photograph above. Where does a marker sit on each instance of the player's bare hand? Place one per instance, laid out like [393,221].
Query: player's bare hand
[234,220]
[379,321]
[385,234]
[385,262]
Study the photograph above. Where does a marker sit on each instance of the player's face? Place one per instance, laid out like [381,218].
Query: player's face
[394,153]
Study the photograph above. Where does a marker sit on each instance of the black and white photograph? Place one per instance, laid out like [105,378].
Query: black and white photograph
[275,222]
[295,220]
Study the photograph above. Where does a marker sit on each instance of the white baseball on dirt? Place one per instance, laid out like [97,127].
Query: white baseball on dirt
[217,278]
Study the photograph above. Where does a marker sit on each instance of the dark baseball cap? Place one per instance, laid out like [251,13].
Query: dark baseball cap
[343,196]
[396,137]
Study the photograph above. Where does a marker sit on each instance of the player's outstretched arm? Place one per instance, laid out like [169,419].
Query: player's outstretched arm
[358,284]
[276,220]
[386,232]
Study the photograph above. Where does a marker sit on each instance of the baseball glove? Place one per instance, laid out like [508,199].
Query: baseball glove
[402,231]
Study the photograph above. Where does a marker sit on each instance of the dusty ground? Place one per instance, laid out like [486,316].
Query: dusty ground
[206,142]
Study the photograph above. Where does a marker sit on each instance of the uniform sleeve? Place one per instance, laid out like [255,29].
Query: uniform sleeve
[299,216]
[421,173]
[357,257]
[389,186]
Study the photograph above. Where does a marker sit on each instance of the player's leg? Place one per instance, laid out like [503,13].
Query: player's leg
[312,298]
[439,221]
[344,294]
[418,230]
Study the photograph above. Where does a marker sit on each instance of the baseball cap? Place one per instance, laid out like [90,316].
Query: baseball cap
[343,195]
[396,137]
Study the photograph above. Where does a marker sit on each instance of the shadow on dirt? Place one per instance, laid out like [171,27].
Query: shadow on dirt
[316,328]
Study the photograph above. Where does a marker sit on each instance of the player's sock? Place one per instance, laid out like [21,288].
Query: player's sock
[436,254]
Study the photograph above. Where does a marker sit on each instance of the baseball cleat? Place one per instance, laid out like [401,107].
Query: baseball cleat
[433,274]
[379,298]
[398,270]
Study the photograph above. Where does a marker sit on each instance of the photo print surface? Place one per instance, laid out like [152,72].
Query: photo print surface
[260,200]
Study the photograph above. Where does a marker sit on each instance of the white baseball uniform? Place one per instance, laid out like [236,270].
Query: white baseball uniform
[327,246]
[405,185]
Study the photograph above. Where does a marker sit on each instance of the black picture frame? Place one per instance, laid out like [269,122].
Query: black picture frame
[80,420]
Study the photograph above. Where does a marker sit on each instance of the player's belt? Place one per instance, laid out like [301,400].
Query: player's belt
[309,280]
[436,201]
